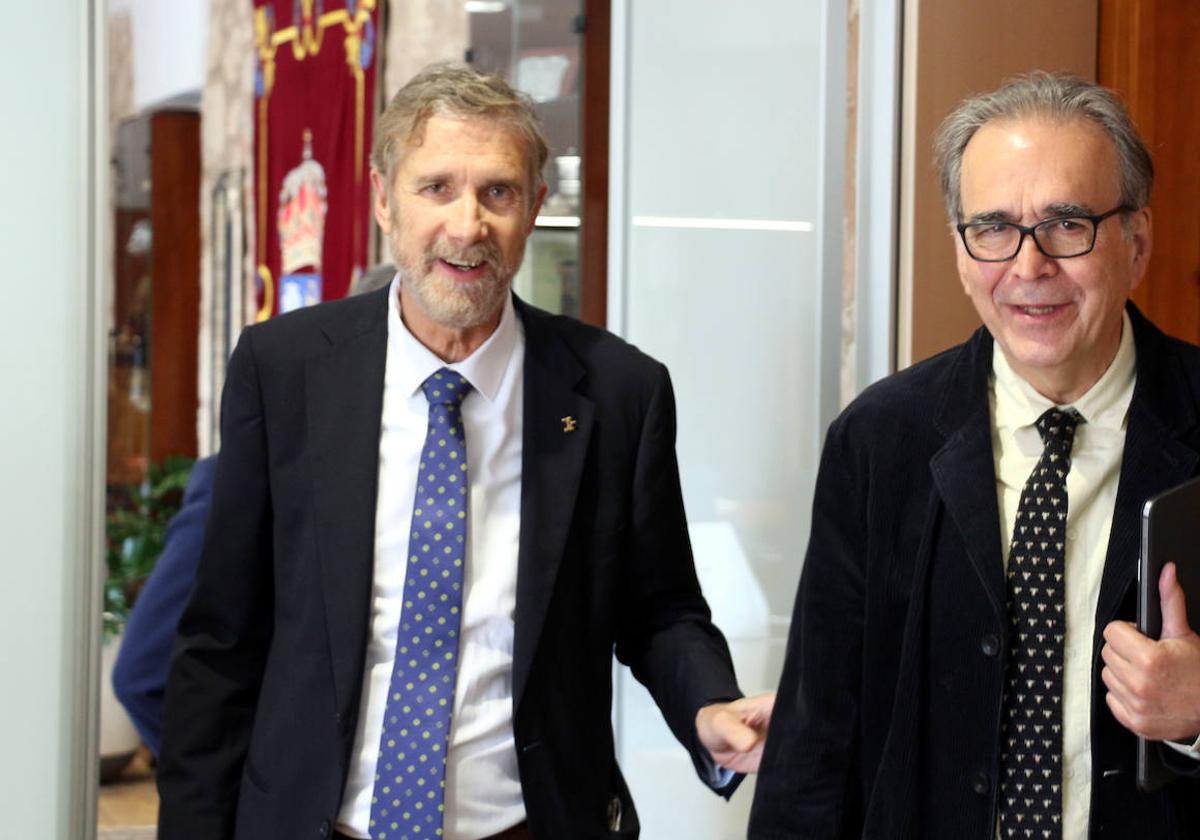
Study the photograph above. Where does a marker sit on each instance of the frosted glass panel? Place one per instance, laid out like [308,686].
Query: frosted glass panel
[722,112]
[718,277]
[732,316]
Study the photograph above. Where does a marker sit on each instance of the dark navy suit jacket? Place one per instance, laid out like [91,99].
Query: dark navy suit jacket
[264,693]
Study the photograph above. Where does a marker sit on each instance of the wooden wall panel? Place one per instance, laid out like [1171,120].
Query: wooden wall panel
[1149,51]
[953,49]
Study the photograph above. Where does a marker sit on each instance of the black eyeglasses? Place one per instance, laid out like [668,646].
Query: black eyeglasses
[1058,238]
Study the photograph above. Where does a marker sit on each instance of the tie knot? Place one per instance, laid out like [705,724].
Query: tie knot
[1057,427]
[446,387]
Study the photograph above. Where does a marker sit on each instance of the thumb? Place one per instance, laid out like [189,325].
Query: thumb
[1174,605]
[735,732]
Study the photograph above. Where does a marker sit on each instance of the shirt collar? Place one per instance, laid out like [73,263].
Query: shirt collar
[1103,406]
[414,362]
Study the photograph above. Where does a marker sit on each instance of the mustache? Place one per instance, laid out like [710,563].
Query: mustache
[481,252]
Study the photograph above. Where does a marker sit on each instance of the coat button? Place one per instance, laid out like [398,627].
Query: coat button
[325,828]
[990,645]
[981,783]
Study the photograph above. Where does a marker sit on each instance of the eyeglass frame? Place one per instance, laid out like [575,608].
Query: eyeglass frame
[1030,231]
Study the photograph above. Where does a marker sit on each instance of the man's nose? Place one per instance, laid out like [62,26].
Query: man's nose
[1031,263]
[466,223]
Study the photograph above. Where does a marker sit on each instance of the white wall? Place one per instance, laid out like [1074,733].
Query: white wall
[46,425]
[169,41]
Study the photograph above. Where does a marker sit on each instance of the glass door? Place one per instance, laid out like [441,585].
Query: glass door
[730,141]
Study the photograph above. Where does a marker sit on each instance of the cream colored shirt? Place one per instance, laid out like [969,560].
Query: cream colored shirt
[1091,493]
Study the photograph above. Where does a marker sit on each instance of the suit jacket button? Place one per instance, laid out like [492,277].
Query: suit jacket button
[981,784]
[990,645]
[325,828]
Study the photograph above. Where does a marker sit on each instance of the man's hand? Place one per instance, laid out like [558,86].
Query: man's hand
[734,733]
[1154,686]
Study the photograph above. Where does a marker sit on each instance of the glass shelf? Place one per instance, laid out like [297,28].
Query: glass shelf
[549,276]
[556,222]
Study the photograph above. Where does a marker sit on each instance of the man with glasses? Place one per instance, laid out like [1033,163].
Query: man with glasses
[962,662]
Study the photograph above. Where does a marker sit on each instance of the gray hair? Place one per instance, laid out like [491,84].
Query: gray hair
[1057,96]
[456,90]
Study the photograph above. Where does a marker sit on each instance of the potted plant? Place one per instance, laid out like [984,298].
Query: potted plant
[136,529]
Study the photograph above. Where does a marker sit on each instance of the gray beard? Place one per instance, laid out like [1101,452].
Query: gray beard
[456,308]
[444,303]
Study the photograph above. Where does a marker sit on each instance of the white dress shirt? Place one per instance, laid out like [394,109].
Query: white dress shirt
[483,790]
[1091,499]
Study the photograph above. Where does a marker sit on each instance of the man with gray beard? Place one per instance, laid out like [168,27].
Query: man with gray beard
[362,660]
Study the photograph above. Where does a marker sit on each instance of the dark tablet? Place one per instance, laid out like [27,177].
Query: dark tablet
[1170,532]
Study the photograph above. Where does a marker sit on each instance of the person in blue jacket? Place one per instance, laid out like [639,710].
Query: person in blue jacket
[140,673]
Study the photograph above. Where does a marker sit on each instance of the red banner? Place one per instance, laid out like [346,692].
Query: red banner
[314,89]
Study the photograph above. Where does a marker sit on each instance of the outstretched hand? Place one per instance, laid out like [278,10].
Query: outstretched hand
[1154,686]
[734,732]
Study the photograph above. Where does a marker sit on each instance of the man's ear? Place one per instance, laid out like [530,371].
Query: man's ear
[535,209]
[963,261]
[381,201]
[1142,233]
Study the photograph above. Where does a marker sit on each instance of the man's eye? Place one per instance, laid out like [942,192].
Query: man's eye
[500,192]
[1069,225]
[998,229]
[434,189]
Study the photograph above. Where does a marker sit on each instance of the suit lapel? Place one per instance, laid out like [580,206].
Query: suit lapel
[557,431]
[964,469]
[344,404]
[1155,459]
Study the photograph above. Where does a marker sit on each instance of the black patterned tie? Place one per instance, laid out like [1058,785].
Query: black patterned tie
[1031,758]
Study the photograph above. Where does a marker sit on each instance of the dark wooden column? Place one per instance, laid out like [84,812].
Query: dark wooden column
[593,131]
[175,282]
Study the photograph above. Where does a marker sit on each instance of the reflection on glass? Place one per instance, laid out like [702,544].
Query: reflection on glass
[129,332]
[227,244]
[128,413]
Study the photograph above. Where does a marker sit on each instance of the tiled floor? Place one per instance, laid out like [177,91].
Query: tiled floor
[128,808]
[143,832]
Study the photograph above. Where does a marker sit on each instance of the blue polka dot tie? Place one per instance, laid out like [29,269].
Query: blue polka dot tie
[410,776]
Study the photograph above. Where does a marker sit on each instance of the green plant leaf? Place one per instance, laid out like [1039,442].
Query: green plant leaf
[136,529]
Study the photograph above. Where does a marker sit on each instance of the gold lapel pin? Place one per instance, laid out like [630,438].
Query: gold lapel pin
[568,423]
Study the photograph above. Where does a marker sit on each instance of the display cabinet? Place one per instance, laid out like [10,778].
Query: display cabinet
[547,48]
